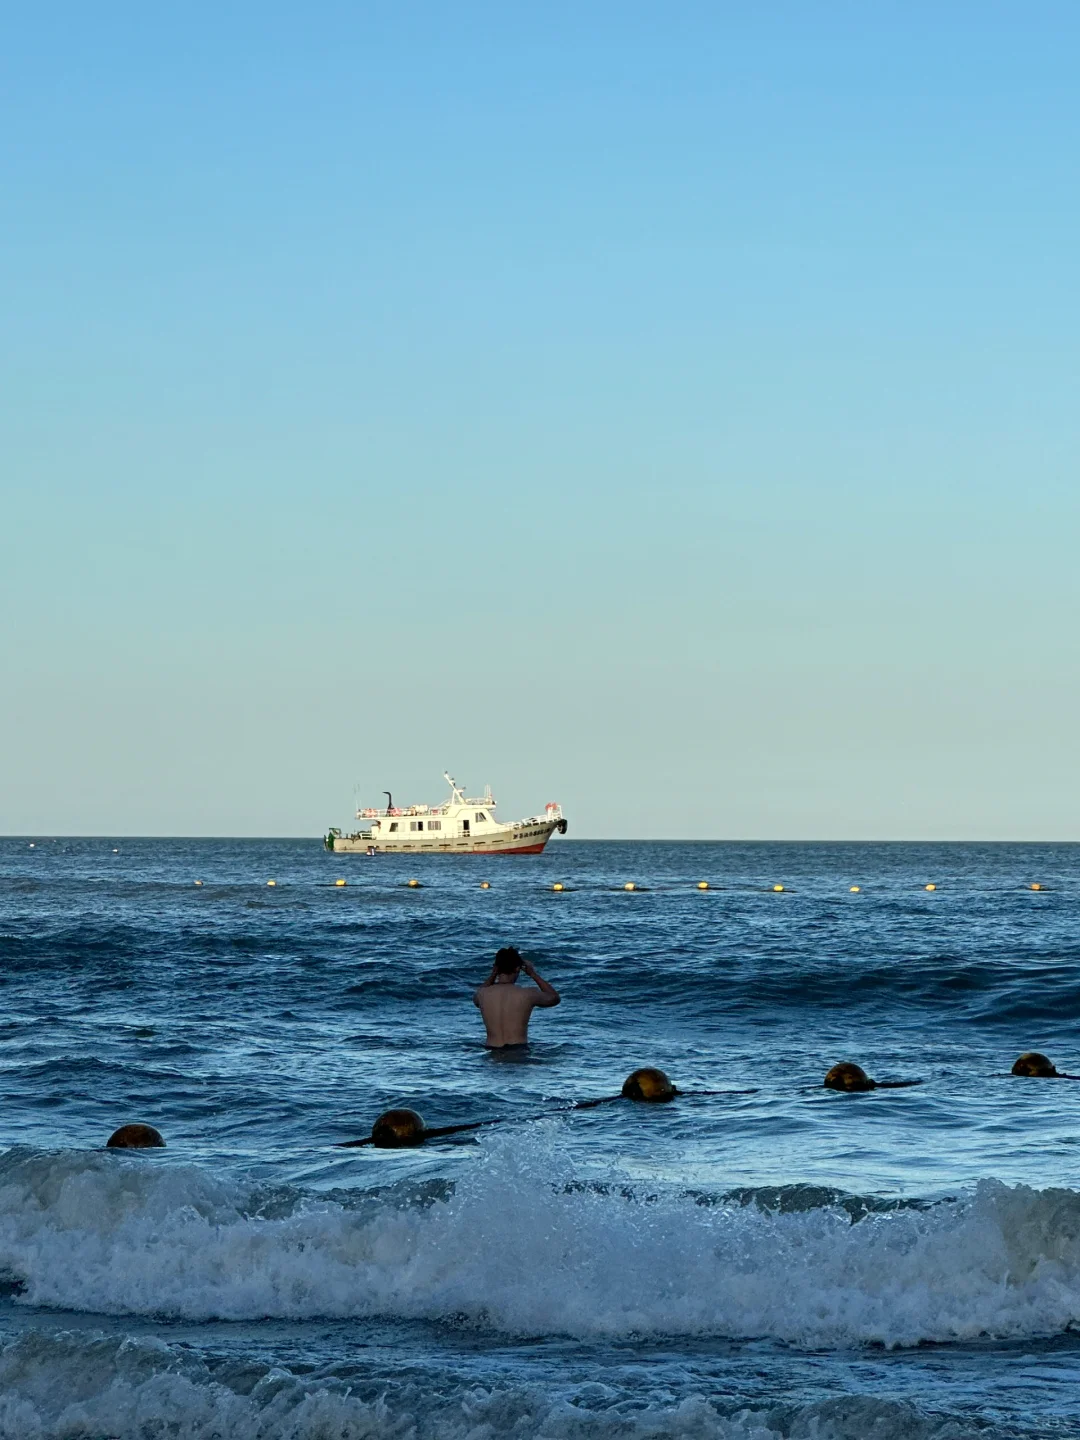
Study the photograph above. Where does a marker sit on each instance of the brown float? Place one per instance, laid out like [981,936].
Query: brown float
[649,1085]
[135,1137]
[853,1079]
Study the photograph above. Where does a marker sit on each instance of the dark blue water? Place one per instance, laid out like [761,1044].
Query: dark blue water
[788,1262]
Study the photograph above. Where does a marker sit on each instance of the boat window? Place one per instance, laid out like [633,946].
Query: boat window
[416,824]
[480,816]
[393,827]
[434,824]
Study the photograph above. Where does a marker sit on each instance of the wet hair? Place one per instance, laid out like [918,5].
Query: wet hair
[507,960]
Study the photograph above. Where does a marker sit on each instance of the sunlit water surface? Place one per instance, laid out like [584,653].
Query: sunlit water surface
[786,1262]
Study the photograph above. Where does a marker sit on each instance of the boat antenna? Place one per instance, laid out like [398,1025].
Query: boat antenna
[389,799]
[453,786]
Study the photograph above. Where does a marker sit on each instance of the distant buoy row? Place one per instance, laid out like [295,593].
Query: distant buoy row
[774,889]
[559,886]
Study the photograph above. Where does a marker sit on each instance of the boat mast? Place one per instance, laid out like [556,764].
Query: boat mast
[453,786]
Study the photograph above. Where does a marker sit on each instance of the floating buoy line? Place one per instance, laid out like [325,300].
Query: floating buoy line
[776,887]
[402,1128]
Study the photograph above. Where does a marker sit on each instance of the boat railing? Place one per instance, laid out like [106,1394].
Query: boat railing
[369,812]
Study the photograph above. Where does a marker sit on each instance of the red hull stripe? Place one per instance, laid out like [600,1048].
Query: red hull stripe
[512,850]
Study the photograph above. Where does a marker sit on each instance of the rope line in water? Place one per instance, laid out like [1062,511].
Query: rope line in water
[396,1129]
[635,887]
[402,1128]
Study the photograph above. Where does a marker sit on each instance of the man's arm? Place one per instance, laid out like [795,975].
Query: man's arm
[548,994]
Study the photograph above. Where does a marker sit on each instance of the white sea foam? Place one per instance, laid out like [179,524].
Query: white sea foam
[522,1246]
[63,1386]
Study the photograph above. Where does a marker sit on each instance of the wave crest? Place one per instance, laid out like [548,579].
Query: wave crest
[526,1245]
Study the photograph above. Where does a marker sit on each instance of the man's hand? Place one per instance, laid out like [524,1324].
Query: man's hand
[548,994]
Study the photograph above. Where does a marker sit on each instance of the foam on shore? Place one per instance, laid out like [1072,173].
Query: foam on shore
[65,1385]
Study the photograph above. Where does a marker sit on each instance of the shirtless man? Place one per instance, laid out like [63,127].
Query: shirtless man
[505,1008]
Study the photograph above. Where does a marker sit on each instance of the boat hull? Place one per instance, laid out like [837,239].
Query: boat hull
[531,842]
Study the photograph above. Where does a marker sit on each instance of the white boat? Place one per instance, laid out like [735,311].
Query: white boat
[460,826]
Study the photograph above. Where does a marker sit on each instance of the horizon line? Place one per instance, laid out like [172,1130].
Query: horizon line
[35,836]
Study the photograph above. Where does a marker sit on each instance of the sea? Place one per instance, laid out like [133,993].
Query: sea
[773,1259]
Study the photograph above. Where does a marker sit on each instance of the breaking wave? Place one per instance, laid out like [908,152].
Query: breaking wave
[526,1245]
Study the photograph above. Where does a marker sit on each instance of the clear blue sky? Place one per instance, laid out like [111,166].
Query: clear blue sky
[667,409]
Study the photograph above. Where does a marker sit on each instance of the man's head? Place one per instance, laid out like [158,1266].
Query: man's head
[507,963]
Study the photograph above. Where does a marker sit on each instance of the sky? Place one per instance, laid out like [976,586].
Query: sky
[669,410]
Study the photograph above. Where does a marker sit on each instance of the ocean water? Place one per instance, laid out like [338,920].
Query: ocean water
[788,1262]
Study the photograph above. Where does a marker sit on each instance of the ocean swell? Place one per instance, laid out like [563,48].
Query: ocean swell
[62,1386]
[526,1245]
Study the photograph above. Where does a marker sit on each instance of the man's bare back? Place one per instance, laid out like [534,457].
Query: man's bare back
[505,1008]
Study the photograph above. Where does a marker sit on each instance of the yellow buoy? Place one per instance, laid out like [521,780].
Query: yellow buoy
[650,1085]
[271,882]
[485,884]
[931,887]
[557,886]
[198,882]
[847,1076]
[854,889]
[703,884]
[629,885]
[135,1137]
[777,888]
[1036,886]
[414,884]
[339,882]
